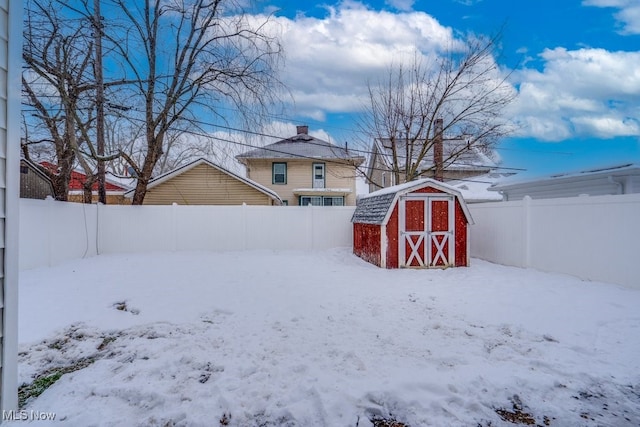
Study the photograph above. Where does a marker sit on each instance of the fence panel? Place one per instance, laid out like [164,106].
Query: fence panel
[52,232]
[135,228]
[498,234]
[278,227]
[212,228]
[594,238]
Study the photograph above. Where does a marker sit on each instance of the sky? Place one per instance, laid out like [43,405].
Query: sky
[574,63]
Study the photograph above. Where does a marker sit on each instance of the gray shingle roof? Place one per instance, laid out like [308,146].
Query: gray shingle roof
[372,210]
[374,207]
[301,146]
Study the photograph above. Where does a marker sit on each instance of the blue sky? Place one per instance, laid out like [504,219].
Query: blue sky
[575,64]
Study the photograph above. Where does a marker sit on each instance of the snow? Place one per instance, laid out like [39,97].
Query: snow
[322,190]
[476,189]
[268,338]
[407,185]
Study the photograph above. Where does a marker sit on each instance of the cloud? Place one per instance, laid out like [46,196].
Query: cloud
[628,13]
[404,5]
[468,2]
[585,92]
[578,93]
[330,59]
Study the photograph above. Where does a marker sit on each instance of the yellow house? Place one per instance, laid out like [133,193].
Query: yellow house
[305,170]
[202,182]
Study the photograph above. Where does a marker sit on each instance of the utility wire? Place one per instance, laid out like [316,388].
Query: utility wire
[290,119]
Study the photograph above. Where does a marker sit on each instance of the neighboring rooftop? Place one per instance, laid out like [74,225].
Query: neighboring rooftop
[614,179]
[460,156]
[477,189]
[78,178]
[301,146]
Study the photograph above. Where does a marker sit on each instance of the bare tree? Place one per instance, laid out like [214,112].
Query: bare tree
[461,95]
[188,58]
[55,84]
[169,62]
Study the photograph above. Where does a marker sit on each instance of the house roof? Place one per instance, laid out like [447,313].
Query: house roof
[624,169]
[477,188]
[467,158]
[301,146]
[78,179]
[375,207]
[34,167]
[182,169]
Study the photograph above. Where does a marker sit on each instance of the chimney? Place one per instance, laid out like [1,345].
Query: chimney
[302,130]
[438,151]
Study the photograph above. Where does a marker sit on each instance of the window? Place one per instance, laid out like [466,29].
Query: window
[321,201]
[279,173]
[310,200]
[318,175]
[285,203]
[24,169]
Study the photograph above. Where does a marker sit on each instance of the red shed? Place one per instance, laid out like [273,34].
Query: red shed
[423,224]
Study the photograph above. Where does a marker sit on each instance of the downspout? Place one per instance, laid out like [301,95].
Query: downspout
[619,184]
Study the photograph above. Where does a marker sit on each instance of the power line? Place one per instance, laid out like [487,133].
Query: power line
[301,156]
[290,119]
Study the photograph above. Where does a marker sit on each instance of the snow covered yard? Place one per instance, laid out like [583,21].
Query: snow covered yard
[265,338]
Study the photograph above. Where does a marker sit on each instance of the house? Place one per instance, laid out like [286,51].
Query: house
[459,161]
[305,170]
[476,189]
[11,60]
[114,186]
[618,179]
[202,182]
[34,184]
[418,224]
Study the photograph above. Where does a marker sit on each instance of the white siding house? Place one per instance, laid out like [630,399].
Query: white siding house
[10,69]
[619,179]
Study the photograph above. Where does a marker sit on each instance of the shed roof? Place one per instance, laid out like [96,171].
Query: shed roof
[376,207]
[182,169]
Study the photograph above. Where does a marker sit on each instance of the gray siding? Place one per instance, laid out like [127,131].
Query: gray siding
[33,183]
[10,61]
[592,186]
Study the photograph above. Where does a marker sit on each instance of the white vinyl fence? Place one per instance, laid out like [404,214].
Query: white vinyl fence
[53,232]
[594,238]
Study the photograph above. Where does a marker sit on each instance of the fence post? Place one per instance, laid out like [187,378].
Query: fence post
[98,251]
[174,226]
[245,237]
[50,212]
[313,227]
[526,237]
